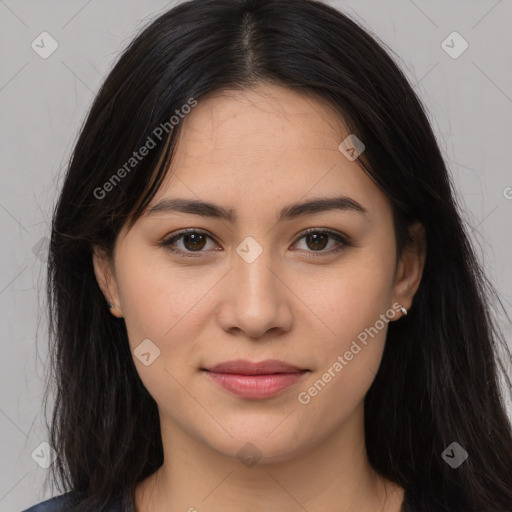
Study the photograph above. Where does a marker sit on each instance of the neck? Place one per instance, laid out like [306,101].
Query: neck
[333,476]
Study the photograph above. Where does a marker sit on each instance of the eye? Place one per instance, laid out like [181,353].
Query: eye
[192,240]
[317,240]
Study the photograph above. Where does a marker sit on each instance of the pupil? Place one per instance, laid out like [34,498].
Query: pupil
[195,239]
[316,237]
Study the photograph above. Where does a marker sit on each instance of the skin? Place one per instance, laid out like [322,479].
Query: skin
[255,152]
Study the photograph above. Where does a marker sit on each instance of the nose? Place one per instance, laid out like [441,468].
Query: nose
[255,299]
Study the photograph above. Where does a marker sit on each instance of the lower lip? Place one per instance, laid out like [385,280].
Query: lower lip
[256,386]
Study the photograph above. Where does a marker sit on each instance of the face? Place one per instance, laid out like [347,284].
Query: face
[314,288]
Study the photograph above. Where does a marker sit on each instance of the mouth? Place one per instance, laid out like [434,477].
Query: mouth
[255,380]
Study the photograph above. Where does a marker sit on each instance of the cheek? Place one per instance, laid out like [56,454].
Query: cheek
[164,306]
[169,306]
[355,296]
[356,305]
[160,301]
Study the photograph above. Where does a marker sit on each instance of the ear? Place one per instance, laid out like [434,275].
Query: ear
[105,275]
[410,266]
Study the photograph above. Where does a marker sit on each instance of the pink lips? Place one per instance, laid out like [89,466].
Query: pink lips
[259,380]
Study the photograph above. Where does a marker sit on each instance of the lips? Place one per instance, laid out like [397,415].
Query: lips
[243,367]
[256,380]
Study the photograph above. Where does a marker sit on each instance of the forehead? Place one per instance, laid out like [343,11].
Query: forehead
[269,119]
[263,147]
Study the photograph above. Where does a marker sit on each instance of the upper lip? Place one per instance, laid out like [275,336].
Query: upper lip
[243,367]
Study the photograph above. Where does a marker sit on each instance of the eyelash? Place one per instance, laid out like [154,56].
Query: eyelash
[342,243]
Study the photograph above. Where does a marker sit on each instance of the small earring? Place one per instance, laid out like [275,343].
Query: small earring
[403,310]
[110,305]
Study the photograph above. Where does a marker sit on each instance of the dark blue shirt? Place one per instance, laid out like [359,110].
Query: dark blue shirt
[117,503]
[124,503]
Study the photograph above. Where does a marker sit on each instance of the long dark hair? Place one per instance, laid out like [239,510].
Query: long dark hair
[438,382]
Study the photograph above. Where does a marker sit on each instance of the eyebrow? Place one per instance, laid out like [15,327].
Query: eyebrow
[289,212]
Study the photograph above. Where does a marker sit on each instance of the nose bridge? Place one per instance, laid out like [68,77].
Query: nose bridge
[257,298]
[253,274]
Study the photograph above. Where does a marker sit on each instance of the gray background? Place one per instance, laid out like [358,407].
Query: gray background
[43,103]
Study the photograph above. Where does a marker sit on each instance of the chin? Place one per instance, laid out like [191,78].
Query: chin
[257,446]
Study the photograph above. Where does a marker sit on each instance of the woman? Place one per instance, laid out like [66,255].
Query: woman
[262,294]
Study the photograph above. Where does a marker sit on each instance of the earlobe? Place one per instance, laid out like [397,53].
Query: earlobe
[106,280]
[410,266]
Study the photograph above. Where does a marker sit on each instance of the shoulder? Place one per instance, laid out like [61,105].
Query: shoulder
[62,503]
[55,504]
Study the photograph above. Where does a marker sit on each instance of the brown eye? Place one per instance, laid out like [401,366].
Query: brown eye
[194,241]
[317,241]
[188,242]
